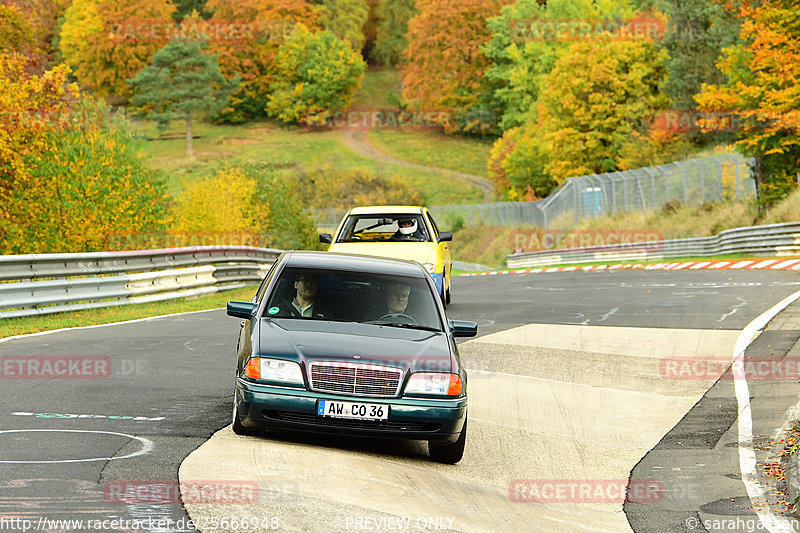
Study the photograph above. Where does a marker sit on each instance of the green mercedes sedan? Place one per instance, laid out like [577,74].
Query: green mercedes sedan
[353,345]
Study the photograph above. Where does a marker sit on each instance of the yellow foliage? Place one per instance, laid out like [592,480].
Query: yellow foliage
[219,206]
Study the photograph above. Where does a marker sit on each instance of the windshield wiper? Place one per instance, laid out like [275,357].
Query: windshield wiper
[403,325]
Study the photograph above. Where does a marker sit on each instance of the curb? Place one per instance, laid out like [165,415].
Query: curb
[793,479]
[745,264]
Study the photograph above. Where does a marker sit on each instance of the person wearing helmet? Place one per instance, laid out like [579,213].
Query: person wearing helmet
[408,230]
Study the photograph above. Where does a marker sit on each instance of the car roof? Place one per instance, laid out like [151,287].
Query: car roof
[352,262]
[386,209]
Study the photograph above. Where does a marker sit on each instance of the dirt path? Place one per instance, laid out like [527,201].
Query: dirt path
[357,141]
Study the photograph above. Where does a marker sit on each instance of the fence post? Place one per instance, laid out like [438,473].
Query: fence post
[652,185]
[685,192]
[574,198]
[737,180]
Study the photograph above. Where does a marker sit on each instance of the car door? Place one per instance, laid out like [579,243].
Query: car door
[443,250]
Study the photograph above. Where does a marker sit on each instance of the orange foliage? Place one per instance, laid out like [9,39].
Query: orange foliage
[445,62]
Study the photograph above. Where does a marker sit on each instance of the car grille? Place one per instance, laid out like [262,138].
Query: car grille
[355,379]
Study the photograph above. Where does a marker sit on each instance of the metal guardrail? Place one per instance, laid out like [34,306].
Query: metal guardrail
[53,283]
[768,240]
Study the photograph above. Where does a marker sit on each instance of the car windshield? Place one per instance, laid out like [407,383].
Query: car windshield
[384,228]
[386,300]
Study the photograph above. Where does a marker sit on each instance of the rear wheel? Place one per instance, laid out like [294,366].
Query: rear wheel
[449,453]
[443,297]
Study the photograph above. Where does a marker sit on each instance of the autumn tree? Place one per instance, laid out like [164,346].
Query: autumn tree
[106,42]
[181,83]
[71,176]
[444,62]
[345,19]
[391,42]
[762,90]
[198,209]
[316,76]
[252,53]
[521,57]
[16,33]
[596,96]
[40,19]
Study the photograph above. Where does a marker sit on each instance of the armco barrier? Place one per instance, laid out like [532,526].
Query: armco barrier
[769,240]
[52,283]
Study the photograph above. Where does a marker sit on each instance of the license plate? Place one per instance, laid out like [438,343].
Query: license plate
[353,410]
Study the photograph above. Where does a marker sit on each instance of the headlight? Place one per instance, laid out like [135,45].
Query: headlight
[274,370]
[434,383]
[430,267]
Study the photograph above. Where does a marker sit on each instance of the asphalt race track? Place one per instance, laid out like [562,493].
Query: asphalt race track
[567,385]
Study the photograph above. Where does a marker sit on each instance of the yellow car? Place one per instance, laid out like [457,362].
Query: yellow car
[403,232]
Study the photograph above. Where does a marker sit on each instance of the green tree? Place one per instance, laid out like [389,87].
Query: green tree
[698,31]
[181,83]
[283,220]
[345,19]
[317,75]
[393,27]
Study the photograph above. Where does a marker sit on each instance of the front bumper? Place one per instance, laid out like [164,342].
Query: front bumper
[438,279]
[266,406]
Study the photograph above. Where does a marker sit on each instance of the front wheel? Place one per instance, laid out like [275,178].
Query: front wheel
[446,452]
[237,426]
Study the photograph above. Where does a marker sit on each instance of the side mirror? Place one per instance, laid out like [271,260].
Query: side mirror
[463,328]
[241,309]
[327,238]
[445,236]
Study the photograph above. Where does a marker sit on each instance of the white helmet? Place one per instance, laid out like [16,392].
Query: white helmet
[408,230]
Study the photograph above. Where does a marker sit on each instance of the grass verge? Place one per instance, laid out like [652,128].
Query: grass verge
[434,149]
[91,317]
[290,148]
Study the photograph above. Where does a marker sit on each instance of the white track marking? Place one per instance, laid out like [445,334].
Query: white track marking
[147,445]
[747,456]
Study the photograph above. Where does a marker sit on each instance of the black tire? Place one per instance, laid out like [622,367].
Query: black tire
[449,453]
[447,296]
[237,426]
[442,296]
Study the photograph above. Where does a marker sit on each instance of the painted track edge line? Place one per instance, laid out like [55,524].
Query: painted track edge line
[747,458]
